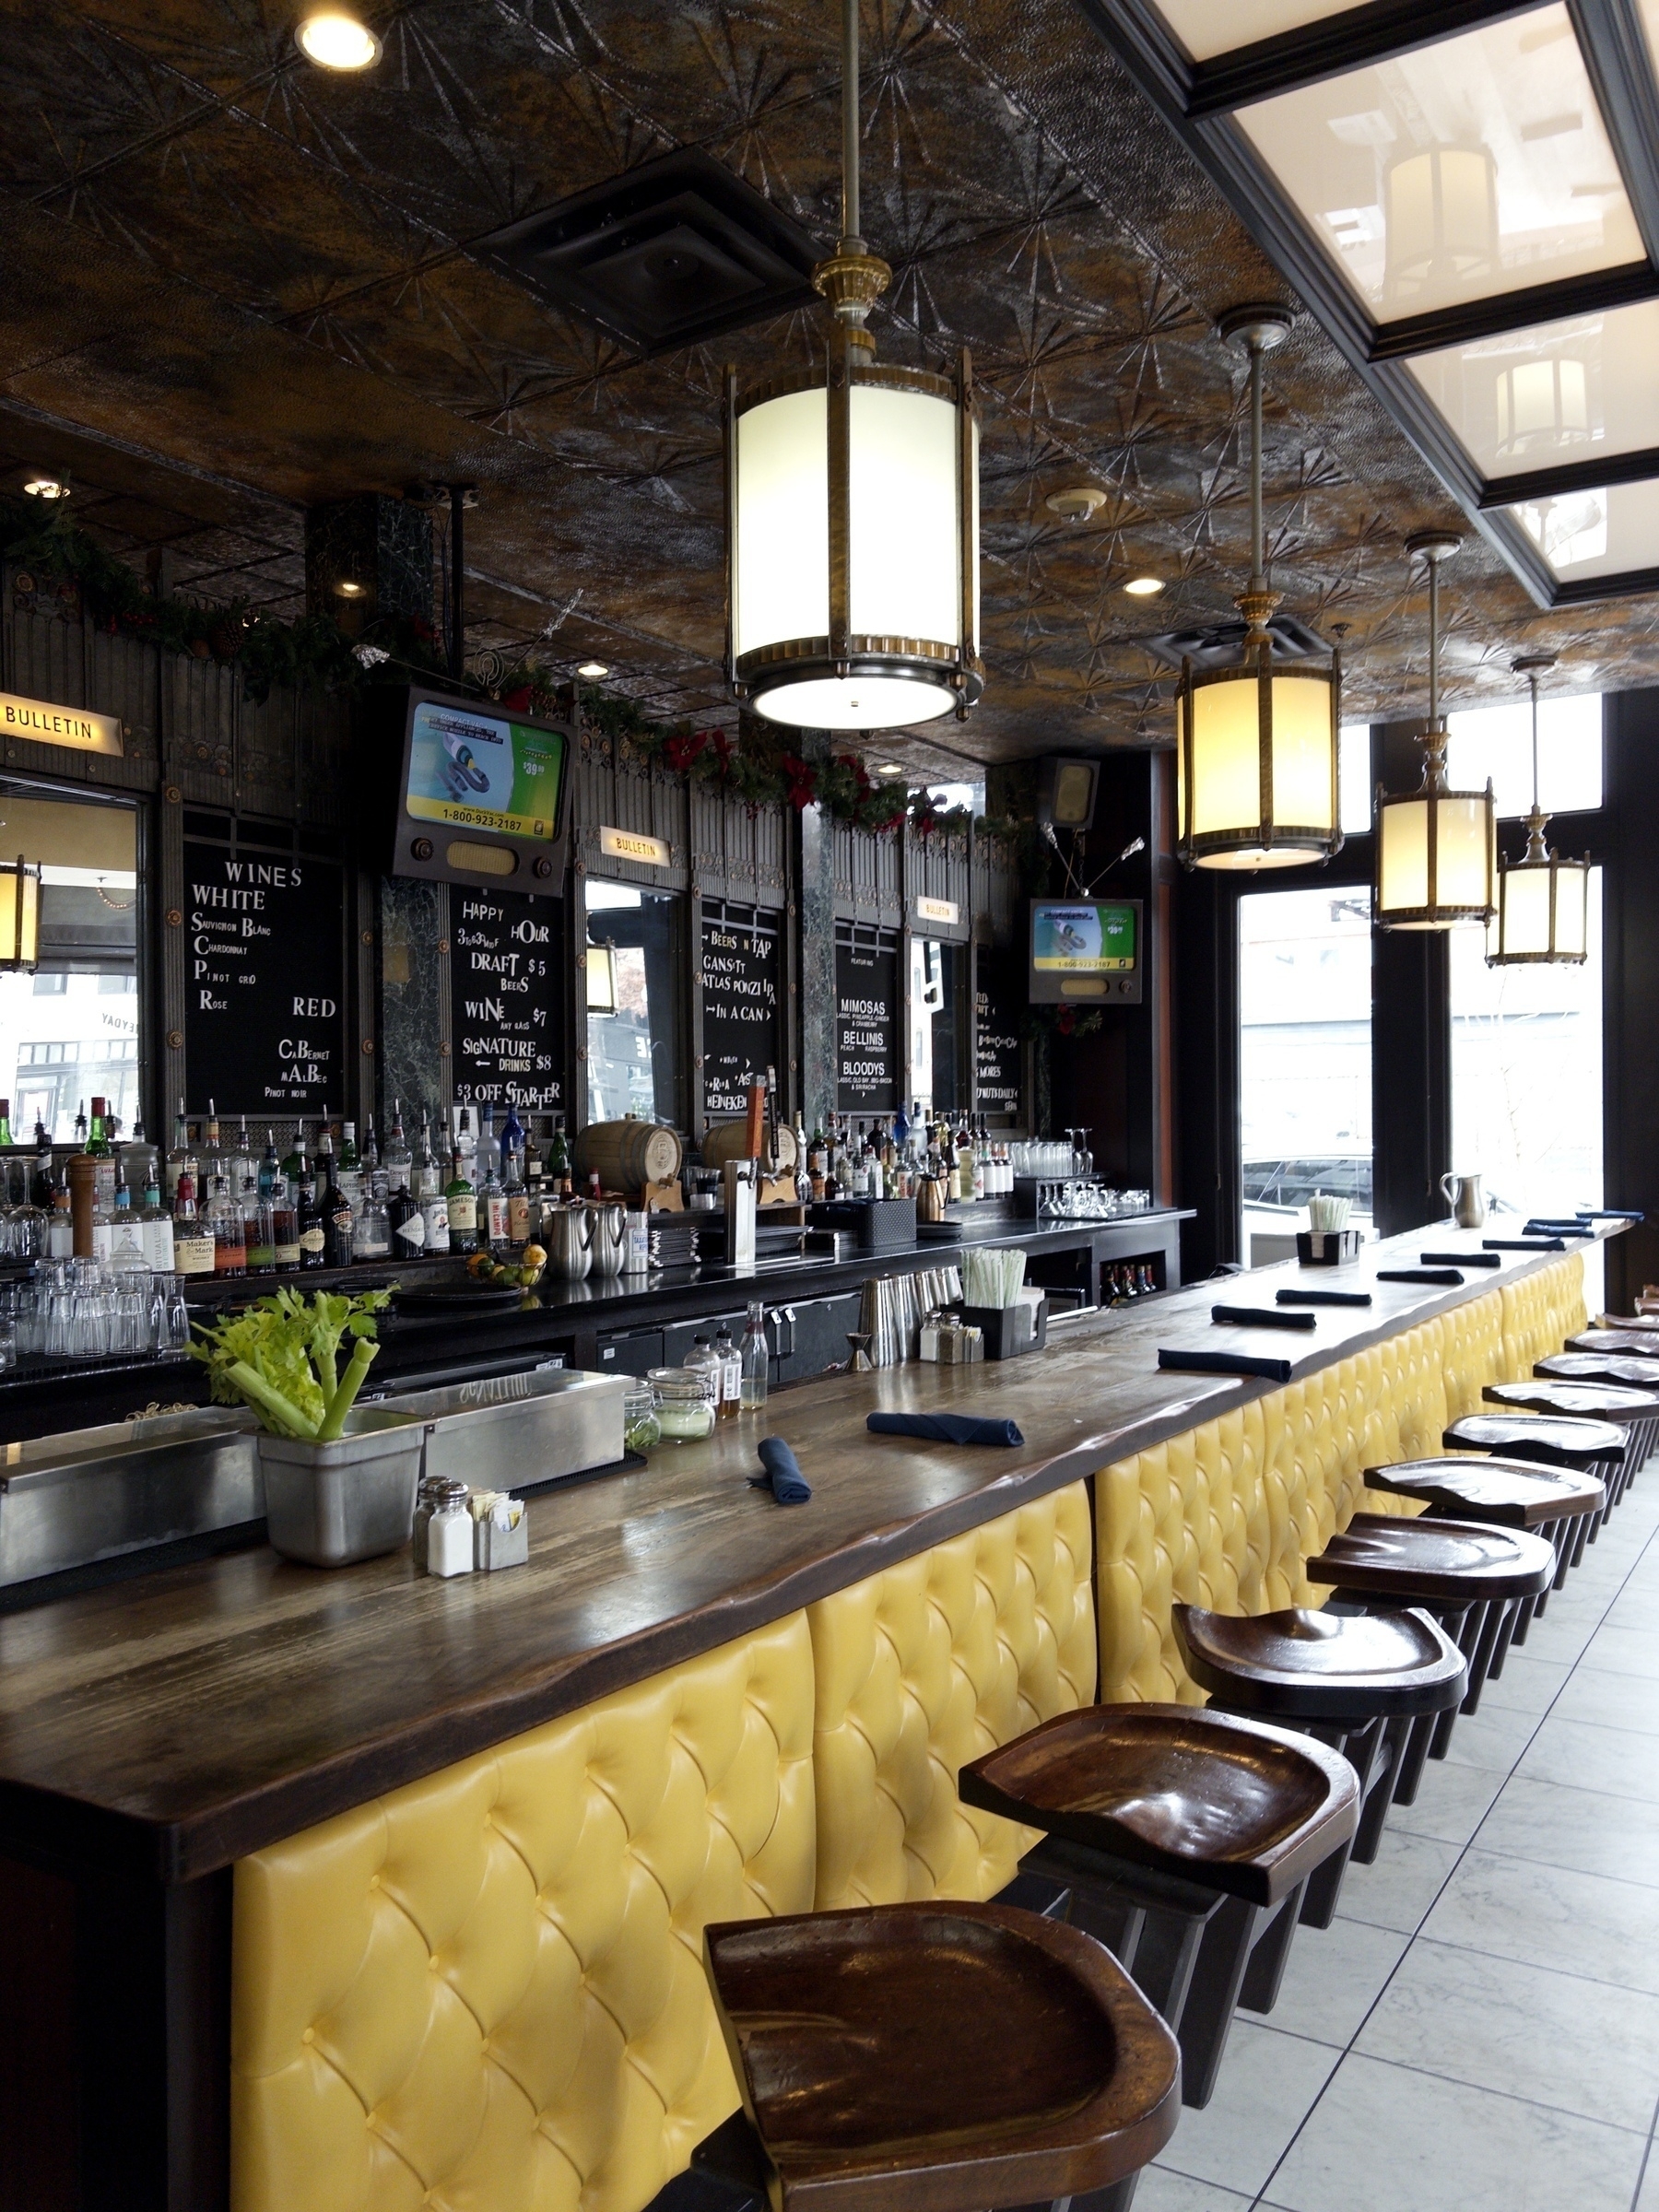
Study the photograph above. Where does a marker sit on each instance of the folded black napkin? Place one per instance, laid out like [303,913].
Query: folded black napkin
[783,1477]
[1610,1213]
[1323,1298]
[945,1428]
[1262,1317]
[1461,1259]
[1419,1275]
[1523,1244]
[1224,1364]
[1542,1227]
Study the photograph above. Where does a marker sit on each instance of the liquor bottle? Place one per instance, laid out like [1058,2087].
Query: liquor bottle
[285,1227]
[513,1134]
[103,1228]
[5,1135]
[407,1223]
[536,1168]
[229,1230]
[156,1225]
[40,1184]
[731,1372]
[294,1160]
[81,1126]
[375,1174]
[755,1361]
[97,1145]
[213,1161]
[138,1165]
[259,1227]
[371,1237]
[434,1214]
[395,1160]
[59,1229]
[271,1181]
[463,1204]
[492,1205]
[323,1158]
[313,1224]
[427,1179]
[193,1239]
[339,1218]
[518,1199]
[350,1172]
[490,1145]
[466,1142]
[179,1154]
[558,1160]
[127,1241]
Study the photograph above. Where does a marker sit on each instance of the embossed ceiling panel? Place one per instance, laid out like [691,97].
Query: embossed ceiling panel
[224,263]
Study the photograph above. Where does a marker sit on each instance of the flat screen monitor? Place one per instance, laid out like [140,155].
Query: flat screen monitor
[1085,950]
[484,794]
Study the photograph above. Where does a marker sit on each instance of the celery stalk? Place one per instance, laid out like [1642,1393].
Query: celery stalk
[351,1381]
[260,1393]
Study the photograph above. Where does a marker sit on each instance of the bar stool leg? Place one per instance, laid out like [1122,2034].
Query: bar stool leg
[1219,1970]
[1270,1953]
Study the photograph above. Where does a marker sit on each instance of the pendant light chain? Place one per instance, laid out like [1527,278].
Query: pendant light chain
[851,238]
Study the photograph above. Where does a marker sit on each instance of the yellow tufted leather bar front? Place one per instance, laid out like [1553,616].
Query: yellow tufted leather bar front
[485,1992]
[1225,1515]
[926,1665]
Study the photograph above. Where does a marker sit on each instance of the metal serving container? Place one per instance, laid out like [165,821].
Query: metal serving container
[328,1505]
[95,1493]
[515,1432]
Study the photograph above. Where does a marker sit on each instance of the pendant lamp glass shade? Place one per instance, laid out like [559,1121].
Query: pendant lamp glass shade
[1542,918]
[1437,849]
[1255,743]
[20,915]
[852,513]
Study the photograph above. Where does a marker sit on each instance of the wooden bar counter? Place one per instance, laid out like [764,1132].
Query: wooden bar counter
[364,1889]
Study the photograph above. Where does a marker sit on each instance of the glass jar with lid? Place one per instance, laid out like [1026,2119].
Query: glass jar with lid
[640,1427]
[684,1403]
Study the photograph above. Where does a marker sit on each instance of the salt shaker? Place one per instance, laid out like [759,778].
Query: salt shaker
[450,1531]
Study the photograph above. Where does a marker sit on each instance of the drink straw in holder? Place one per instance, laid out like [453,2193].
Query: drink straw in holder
[1326,1216]
[992,1278]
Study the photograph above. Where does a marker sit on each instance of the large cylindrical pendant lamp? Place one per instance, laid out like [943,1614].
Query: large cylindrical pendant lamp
[1543,917]
[852,515]
[1255,745]
[1436,848]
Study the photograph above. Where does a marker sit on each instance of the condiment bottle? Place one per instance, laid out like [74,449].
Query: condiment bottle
[731,1372]
[703,1363]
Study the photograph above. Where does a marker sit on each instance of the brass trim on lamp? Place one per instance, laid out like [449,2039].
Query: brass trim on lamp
[1573,877]
[1399,849]
[1226,817]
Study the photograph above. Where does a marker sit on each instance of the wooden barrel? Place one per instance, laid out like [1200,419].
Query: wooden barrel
[726,1140]
[626,1156]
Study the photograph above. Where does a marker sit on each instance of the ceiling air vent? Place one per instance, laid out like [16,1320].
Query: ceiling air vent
[1219,645]
[663,256]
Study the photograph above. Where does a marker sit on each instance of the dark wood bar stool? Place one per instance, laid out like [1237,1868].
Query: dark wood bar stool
[1187,1839]
[1358,1683]
[1471,1578]
[1550,1439]
[1634,1344]
[1503,1493]
[936,2057]
[1635,1412]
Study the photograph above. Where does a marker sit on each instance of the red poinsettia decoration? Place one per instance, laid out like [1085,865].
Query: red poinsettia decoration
[517,703]
[722,753]
[802,783]
[680,752]
[1066,1020]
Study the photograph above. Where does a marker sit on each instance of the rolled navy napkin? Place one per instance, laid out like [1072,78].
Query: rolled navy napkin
[783,1477]
[945,1428]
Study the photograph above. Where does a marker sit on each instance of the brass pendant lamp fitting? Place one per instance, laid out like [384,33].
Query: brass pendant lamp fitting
[1436,848]
[1256,745]
[1543,917]
[852,512]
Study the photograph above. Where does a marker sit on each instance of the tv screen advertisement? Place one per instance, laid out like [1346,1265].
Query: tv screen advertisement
[1085,949]
[484,794]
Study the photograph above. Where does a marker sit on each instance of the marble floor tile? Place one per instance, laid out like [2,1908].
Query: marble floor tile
[1584,1755]
[1451,1802]
[1606,1931]
[1399,1891]
[1468,2018]
[1268,2085]
[1625,1651]
[1581,1829]
[1383,2138]
[1492,1739]
[1528,1684]
[1333,1978]
[1608,1701]
[1162,2191]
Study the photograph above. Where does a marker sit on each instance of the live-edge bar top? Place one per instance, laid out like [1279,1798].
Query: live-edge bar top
[174,1723]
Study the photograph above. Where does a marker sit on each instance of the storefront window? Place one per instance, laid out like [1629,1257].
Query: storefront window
[69,1030]
[1305,1061]
[636,1059]
[939,1028]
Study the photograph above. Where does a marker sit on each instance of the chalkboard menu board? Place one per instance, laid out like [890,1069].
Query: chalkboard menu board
[264,983]
[739,1007]
[998,999]
[507,999]
[868,1055]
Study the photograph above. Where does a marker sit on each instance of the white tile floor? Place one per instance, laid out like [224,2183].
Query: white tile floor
[1479,2029]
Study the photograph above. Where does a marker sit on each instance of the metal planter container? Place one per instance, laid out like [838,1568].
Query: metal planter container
[515,1432]
[329,1504]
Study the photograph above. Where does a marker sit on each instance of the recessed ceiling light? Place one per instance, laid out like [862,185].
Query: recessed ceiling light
[1143,587]
[337,42]
[1076,502]
[594,670]
[348,590]
[889,767]
[46,487]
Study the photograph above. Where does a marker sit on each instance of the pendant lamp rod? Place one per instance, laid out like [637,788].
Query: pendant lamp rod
[1532,666]
[1258,548]
[851,214]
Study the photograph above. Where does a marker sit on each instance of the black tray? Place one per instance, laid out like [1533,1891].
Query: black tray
[459,1298]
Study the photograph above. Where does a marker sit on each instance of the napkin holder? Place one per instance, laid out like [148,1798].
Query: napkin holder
[1326,1247]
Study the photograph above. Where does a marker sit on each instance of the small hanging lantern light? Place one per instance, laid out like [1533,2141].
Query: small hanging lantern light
[852,513]
[1437,849]
[1543,903]
[19,916]
[1255,745]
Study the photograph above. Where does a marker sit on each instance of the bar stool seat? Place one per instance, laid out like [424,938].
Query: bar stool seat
[1635,1412]
[1186,1838]
[943,2057]
[1561,1507]
[1635,1343]
[1553,1439]
[1599,1367]
[1361,1683]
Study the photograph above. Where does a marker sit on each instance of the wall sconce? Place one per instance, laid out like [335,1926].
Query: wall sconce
[19,916]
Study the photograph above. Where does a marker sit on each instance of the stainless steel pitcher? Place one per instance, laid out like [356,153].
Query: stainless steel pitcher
[1464,1195]
[608,1237]
[568,1233]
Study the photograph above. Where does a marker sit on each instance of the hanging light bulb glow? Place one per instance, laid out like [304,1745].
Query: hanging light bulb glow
[1543,903]
[1437,849]
[852,513]
[1255,745]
